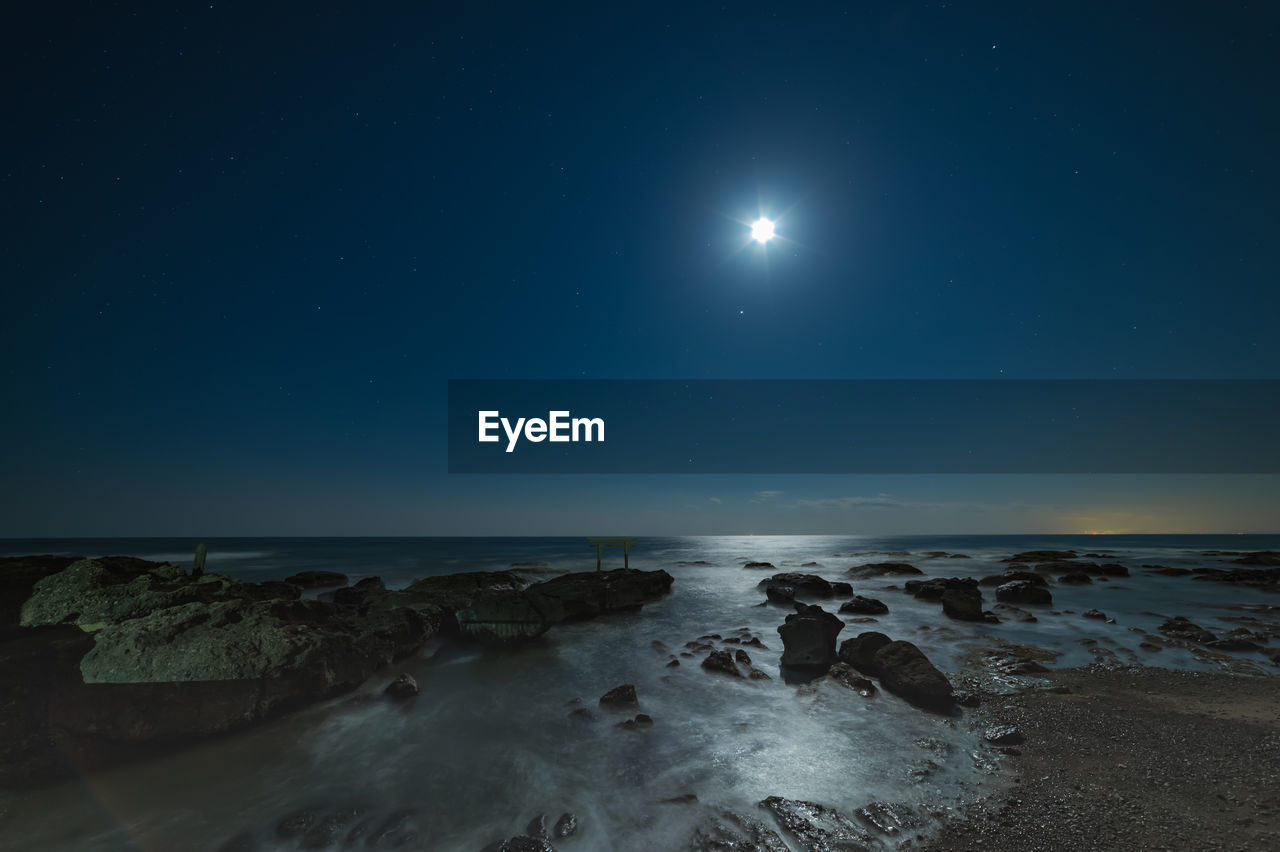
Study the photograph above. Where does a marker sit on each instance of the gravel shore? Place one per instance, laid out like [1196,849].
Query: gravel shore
[1133,759]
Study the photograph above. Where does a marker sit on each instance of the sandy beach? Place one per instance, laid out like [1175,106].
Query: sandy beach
[1133,759]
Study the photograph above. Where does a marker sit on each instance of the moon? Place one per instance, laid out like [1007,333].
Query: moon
[762,230]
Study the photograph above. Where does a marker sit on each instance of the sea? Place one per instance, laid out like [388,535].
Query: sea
[489,743]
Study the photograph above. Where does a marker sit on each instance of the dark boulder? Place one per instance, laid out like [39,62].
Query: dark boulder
[844,674]
[355,595]
[1024,592]
[1075,578]
[1179,627]
[620,696]
[1033,556]
[864,606]
[721,661]
[1095,614]
[903,669]
[759,566]
[809,638]
[1166,571]
[842,588]
[1013,576]
[506,615]
[780,594]
[814,827]
[588,594]
[881,569]
[1268,558]
[963,604]
[934,588]
[810,585]
[861,650]
[566,826]
[404,686]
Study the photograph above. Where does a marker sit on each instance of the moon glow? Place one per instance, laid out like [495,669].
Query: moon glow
[762,230]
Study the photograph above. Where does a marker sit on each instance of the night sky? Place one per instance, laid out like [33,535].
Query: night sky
[246,248]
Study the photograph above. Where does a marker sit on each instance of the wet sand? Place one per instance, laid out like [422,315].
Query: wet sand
[1133,759]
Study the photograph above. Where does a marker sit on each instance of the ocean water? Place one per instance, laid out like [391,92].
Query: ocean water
[489,743]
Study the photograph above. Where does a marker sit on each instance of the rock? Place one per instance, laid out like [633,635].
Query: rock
[843,674]
[864,606]
[1094,614]
[452,592]
[723,831]
[963,604]
[1166,571]
[537,827]
[1150,647]
[842,588]
[1113,570]
[721,661]
[620,696]
[355,595]
[861,650]
[756,674]
[814,826]
[888,818]
[581,714]
[588,594]
[903,669]
[780,594]
[683,799]
[756,566]
[506,615]
[810,585]
[1078,578]
[1004,735]
[967,698]
[1033,556]
[933,589]
[644,720]
[18,576]
[1180,628]
[1269,558]
[566,826]
[91,593]
[404,686]
[881,569]
[741,656]
[1012,576]
[673,663]
[1017,614]
[809,638]
[316,579]
[1024,592]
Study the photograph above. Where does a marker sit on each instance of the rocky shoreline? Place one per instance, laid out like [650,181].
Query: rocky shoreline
[112,659]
